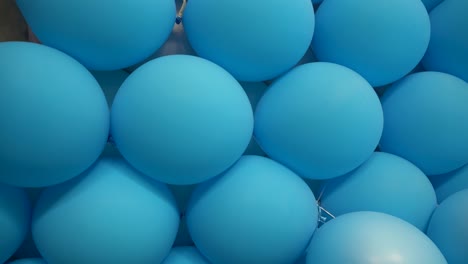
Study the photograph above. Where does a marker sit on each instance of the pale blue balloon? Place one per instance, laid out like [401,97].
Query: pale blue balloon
[448,227]
[181,119]
[110,82]
[371,237]
[105,34]
[450,183]
[447,50]
[53,114]
[381,40]
[29,261]
[185,255]
[253,40]
[15,214]
[425,117]
[384,183]
[258,211]
[110,214]
[321,120]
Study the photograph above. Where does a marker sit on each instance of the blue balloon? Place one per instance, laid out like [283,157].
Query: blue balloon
[185,255]
[450,183]
[448,227]
[54,116]
[181,119]
[29,261]
[447,50]
[425,117]
[321,120]
[384,183]
[431,4]
[110,82]
[256,212]
[253,40]
[14,219]
[371,237]
[367,37]
[103,35]
[110,214]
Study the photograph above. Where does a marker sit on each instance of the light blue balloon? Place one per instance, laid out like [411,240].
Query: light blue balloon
[110,214]
[53,115]
[110,82]
[384,183]
[181,119]
[448,227]
[371,237]
[450,183]
[185,255]
[14,219]
[105,34]
[321,120]
[425,117]
[447,50]
[381,40]
[253,40]
[431,4]
[256,212]
[29,261]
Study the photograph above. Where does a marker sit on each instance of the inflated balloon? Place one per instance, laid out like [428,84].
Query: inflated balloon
[430,4]
[14,219]
[103,35]
[110,82]
[256,212]
[321,119]
[365,36]
[448,227]
[54,118]
[450,183]
[447,50]
[29,261]
[185,255]
[110,214]
[181,119]
[425,117]
[253,40]
[371,237]
[384,183]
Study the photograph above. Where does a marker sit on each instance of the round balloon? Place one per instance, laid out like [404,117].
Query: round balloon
[181,119]
[28,261]
[111,214]
[447,50]
[371,237]
[253,40]
[448,228]
[450,183]
[103,35]
[54,116]
[321,120]
[425,117]
[256,212]
[384,183]
[185,255]
[110,82]
[14,219]
[365,36]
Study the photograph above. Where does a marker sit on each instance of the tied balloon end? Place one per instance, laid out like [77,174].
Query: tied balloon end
[180,14]
[324,216]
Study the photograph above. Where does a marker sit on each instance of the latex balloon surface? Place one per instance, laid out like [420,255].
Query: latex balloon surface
[185,255]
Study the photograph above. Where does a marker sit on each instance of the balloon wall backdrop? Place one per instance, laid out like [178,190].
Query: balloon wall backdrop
[235,132]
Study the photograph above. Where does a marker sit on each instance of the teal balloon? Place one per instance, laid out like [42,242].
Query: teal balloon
[110,214]
[181,119]
[258,211]
[185,255]
[103,35]
[54,116]
[15,214]
[110,82]
[366,37]
[253,40]
[447,50]
[321,120]
[371,237]
[447,184]
[425,117]
[384,183]
[448,228]
[29,261]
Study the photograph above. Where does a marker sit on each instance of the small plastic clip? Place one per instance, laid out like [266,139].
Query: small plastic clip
[178,20]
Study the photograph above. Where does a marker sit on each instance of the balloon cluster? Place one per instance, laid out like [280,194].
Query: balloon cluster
[235,132]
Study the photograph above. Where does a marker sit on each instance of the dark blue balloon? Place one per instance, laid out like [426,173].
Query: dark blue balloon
[450,183]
